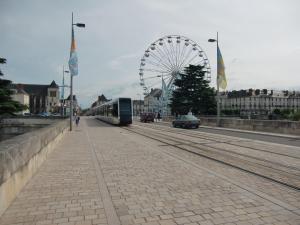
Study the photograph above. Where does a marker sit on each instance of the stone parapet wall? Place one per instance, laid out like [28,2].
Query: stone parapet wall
[21,156]
[29,120]
[273,126]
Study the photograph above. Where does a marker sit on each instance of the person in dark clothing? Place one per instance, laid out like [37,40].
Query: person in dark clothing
[77,120]
[158,116]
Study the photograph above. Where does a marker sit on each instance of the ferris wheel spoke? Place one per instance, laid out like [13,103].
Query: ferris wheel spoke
[159,60]
[170,55]
[157,64]
[200,62]
[186,64]
[166,58]
[186,57]
[165,55]
[158,71]
[182,54]
[170,49]
[174,53]
[180,49]
[159,57]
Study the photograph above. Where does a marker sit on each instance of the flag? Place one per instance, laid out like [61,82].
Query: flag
[73,61]
[164,90]
[221,78]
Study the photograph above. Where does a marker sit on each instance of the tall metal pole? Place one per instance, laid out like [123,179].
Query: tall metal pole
[140,104]
[218,92]
[71,91]
[63,93]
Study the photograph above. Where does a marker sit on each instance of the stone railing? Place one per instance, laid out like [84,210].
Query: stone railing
[272,126]
[21,156]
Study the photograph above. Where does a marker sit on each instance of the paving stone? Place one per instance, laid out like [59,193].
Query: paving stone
[147,183]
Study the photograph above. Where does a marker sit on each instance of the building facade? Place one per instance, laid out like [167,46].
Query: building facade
[22,97]
[138,107]
[66,106]
[100,100]
[259,102]
[42,98]
[152,101]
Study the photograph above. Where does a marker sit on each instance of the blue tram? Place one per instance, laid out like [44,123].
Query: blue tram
[117,111]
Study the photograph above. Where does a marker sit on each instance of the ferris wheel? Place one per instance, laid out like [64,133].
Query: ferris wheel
[165,59]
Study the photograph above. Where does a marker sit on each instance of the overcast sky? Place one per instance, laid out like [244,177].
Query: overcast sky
[259,41]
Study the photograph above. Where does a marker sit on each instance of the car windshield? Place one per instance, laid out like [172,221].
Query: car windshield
[188,117]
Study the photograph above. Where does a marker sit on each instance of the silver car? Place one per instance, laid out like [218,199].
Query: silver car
[186,121]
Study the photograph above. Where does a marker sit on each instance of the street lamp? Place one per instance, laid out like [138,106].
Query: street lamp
[63,92]
[82,25]
[140,103]
[218,92]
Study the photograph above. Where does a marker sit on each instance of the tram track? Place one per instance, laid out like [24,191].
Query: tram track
[205,137]
[271,164]
[273,171]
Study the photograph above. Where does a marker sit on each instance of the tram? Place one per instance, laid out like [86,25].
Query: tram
[117,111]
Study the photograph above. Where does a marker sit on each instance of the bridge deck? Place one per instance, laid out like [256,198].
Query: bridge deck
[100,174]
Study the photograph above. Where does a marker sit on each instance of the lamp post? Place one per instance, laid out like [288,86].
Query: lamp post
[71,78]
[140,103]
[63,91]
[218,92]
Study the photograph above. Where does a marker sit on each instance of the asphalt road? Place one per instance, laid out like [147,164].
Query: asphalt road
[255,136]
[273,138]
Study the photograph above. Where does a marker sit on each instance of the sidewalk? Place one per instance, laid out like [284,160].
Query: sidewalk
[100,174]
[64,190]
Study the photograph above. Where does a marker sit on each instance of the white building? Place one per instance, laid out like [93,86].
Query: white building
[152,101]
[259,102]
[22,97]
[138,107]
[42,98]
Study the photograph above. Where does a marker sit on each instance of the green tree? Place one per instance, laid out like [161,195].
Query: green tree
[192,93]
[7,105]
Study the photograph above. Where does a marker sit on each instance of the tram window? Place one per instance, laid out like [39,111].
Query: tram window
[125,106]
[115,109]
[109,110]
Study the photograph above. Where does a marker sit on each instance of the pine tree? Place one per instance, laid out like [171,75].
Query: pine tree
[192,93]
[7,105]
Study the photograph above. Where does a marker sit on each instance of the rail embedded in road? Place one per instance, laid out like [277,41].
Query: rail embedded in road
[275,163]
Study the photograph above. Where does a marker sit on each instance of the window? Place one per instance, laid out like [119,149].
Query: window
[52,93]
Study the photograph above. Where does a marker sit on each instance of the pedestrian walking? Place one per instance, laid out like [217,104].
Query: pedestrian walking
[77,120]
[158,116]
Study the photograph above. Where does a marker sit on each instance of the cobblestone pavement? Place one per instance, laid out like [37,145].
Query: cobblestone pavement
[288,195]
[106,175]
[64,191]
